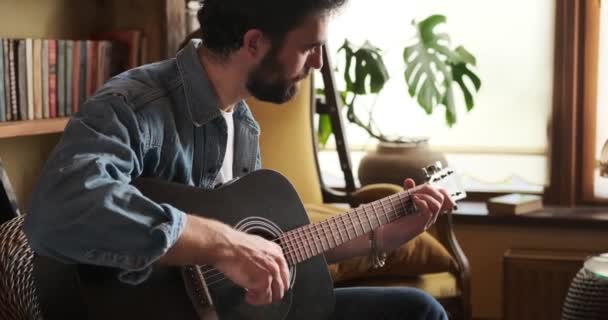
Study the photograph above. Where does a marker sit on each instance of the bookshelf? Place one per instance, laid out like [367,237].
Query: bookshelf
[25,145]
[12,129]
[163,22]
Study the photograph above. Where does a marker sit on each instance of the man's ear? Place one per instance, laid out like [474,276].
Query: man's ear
[255,43]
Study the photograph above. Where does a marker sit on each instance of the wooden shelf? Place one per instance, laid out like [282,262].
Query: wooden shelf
[31,127]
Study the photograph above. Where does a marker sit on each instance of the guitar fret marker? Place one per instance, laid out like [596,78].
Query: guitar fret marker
[294,245]
[316,227]
[285,247]
[325,234]
[360,221]
[378,218]
[302,235]
[320,237]
[354,224]
[370,222]
[310,236]
[333,235]
[345,227]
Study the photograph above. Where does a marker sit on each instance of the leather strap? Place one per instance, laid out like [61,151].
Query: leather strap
[58,289]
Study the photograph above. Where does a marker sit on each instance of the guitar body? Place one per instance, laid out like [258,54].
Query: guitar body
[262,203]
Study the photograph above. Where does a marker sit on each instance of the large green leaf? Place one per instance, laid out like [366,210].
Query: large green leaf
[432,68]
[369,72]
[325,130]
[460,70]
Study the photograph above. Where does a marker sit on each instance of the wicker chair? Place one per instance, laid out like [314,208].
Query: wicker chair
[18,299]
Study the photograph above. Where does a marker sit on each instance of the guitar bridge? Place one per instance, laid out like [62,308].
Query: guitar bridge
[197,290]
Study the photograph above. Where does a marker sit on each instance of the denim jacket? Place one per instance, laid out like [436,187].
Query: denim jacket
[160,120]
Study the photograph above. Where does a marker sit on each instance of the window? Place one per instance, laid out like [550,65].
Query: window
[192,8]
[601,183]
[502,145]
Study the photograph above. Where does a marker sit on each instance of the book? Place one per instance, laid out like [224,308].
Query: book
[143,50]
[514,203]
[12,69]
[29,73]
[49,78]
[52,78]
[45,79]
[82,78]
[8,50]
[67,95]
[101,58]
[22,83]
[37,77]
[61,77]
[131,40]
[91,81]
[76,72]
[2,91]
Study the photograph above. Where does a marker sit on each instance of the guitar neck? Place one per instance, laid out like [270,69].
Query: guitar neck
[305,242]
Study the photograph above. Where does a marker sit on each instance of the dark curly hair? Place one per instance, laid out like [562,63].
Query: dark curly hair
[225,22]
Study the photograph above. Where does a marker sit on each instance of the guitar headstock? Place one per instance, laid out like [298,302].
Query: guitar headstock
[445,178]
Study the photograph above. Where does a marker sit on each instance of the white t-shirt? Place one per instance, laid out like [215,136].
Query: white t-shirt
[225,173]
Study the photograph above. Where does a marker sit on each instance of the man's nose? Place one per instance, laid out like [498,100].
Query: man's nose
[316,59]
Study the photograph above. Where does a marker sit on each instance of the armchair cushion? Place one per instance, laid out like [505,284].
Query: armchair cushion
[421,255]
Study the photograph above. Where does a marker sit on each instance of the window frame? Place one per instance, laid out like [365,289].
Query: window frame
[573,129]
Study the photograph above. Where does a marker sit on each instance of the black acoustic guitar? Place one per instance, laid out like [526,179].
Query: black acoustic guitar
[262,203]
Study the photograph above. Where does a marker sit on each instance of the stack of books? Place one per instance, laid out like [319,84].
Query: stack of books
[514,204]
[51,78]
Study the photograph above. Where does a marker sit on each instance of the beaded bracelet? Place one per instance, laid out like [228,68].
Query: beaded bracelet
[378,258]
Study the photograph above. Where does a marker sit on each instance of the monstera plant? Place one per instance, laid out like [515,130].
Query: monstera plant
[432,68]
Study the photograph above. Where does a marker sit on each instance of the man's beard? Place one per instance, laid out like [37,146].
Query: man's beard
[278,90]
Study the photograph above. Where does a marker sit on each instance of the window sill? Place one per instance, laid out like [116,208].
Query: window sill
[561,217]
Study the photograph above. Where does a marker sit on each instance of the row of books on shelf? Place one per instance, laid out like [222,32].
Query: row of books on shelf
[52,78]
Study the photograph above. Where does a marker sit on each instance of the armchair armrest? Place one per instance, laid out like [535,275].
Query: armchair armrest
[444,232]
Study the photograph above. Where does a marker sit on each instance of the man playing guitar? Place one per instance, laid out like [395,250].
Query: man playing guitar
[185,120]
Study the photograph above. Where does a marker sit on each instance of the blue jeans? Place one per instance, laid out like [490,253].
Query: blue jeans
[379,303]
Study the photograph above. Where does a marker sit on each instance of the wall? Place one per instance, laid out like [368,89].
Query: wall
[485,245]
[23,158]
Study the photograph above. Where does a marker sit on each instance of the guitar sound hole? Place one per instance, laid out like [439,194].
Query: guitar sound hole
[270,231]
[263,233]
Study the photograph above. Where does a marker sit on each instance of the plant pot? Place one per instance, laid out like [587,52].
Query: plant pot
[393,162]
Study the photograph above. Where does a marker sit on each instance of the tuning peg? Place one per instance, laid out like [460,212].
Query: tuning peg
[432,169]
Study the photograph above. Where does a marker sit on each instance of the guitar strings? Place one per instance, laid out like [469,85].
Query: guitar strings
[308,233]
[310,236]
[216,280]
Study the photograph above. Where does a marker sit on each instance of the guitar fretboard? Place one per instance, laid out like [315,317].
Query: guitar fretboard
[305,242]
